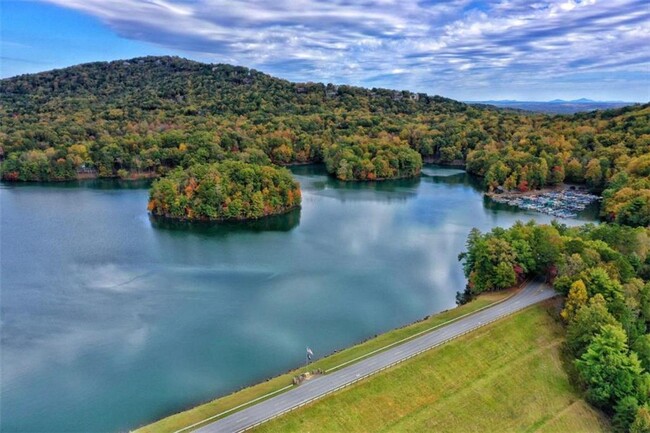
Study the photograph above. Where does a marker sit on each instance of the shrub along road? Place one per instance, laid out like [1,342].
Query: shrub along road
[318,387]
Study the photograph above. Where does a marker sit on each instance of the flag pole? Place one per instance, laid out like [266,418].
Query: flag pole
[308,355]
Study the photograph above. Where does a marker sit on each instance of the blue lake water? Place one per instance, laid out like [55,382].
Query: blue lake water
[111,320]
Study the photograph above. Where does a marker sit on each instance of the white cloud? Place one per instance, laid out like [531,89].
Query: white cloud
[366,42]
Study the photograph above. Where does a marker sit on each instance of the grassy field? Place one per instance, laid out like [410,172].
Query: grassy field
[506,377]
[178,421]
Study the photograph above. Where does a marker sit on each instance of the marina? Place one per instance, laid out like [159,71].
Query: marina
[561,204]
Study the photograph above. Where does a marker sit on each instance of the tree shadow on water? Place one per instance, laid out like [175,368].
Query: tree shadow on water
[275,223]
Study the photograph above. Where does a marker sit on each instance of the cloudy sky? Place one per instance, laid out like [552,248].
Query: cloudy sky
[469,50]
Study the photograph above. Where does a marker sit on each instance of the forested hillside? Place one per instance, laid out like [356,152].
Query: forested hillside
[145,116]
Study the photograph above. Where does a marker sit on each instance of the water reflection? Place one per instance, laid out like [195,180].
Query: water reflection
[430,170]
[98,184]
[105,307]
[275,223]
[455,178]
[315,179]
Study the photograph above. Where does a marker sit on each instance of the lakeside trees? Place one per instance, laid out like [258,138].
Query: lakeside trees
[500,258]
[627,197]
[605,273]
[375,159]
[230,190]
[149,115]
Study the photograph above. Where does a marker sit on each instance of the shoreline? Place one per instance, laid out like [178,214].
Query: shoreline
[88,176]
[134,176]
[223,220]
[261,390]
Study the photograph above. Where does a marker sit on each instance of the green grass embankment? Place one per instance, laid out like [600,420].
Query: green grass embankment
[181,420]
[505,377]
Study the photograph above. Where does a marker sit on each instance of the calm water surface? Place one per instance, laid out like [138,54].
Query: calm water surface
[111,320]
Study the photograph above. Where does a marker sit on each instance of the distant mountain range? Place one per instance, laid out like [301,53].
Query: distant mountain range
[556,106]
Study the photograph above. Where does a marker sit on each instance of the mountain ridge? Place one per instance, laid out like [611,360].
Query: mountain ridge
[556,106]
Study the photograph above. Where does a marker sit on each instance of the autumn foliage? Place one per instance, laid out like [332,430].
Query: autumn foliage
[230,190]
[144,117]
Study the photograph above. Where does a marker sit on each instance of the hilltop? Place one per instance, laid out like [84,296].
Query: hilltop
[151,83]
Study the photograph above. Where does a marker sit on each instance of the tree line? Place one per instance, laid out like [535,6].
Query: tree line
[604,273]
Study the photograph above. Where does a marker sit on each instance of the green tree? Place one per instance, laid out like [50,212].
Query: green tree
[625,413]
[599,282]
[548,244]
[504,276]
[609,371]
[594,174]
[496,175]
[642,347]
[574,172]
[587,323]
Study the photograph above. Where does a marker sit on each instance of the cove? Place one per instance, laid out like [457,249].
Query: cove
[111,319]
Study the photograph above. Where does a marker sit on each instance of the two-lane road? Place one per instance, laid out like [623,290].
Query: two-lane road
[320,386]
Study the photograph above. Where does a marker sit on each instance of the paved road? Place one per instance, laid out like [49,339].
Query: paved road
[323,385]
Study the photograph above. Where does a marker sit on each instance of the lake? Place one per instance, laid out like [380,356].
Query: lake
[111,320]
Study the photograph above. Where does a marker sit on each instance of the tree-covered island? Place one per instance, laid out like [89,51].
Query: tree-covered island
[229,190]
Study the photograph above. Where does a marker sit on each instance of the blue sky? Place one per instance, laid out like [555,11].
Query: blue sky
[463,49]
